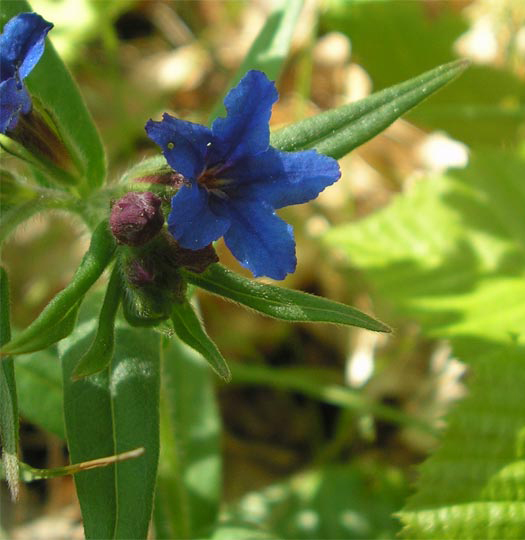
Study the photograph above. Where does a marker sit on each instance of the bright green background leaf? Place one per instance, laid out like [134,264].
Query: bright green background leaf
[484,106]
[450,252]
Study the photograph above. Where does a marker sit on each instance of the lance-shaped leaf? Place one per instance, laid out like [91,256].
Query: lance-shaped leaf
[338,131]
[189,328]
[114,411]
[57,319]
[8,398]
[270,48]
[278,302]
[189,480]
[99,355]
[51,83]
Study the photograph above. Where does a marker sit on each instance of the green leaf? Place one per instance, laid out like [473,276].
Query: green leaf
[189,328]
[232,531]
[52,84]
[472,486]
[278,302]
[338,131]
[100,353]
[189,481]
[484,107]
[324,385]
[270,48]
[8,397]
[57,319]
[450,249]
[450,252]
[111,412]
[40,394]
[350,501]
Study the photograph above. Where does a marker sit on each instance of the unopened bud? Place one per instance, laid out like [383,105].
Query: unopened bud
[136,218]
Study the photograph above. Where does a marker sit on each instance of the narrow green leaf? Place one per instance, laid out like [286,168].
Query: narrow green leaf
[8,397]
[270,48]
[40,395]
[52,84]
[189,328]
[189,481]
[100,353]
[320,384]
[51,335]
[278,302]
[57,319]
[111,412]
[338,131]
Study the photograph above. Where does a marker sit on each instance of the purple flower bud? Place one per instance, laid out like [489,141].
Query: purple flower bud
[136,218]
[139,274]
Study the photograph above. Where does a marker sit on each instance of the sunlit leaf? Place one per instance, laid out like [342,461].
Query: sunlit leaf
[338,131]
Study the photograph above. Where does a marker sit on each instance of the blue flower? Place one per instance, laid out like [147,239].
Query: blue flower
[234,180]
[21,46]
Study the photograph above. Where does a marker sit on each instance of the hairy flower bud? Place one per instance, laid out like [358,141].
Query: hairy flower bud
[136,218]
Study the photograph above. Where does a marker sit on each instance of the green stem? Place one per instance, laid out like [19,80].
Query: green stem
[341,396]
[100,253]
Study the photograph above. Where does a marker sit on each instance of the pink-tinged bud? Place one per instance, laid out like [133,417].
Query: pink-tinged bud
[139,274]
[136,218]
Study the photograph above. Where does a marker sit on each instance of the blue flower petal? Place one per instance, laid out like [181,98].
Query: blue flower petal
[184,144]
[22,44]
[197,218]
[245,129]
[260,240]
[284,178]
[14,100]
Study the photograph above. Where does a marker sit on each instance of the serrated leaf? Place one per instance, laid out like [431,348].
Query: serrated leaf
[52,84]
[450,249]
[270,48]
[472,487]
[278,302]
[189,328]
[108,413]
[8,396]
[451,253]
[338,131]
[189,481]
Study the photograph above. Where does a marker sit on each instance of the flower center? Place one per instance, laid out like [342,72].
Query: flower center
[212,179]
